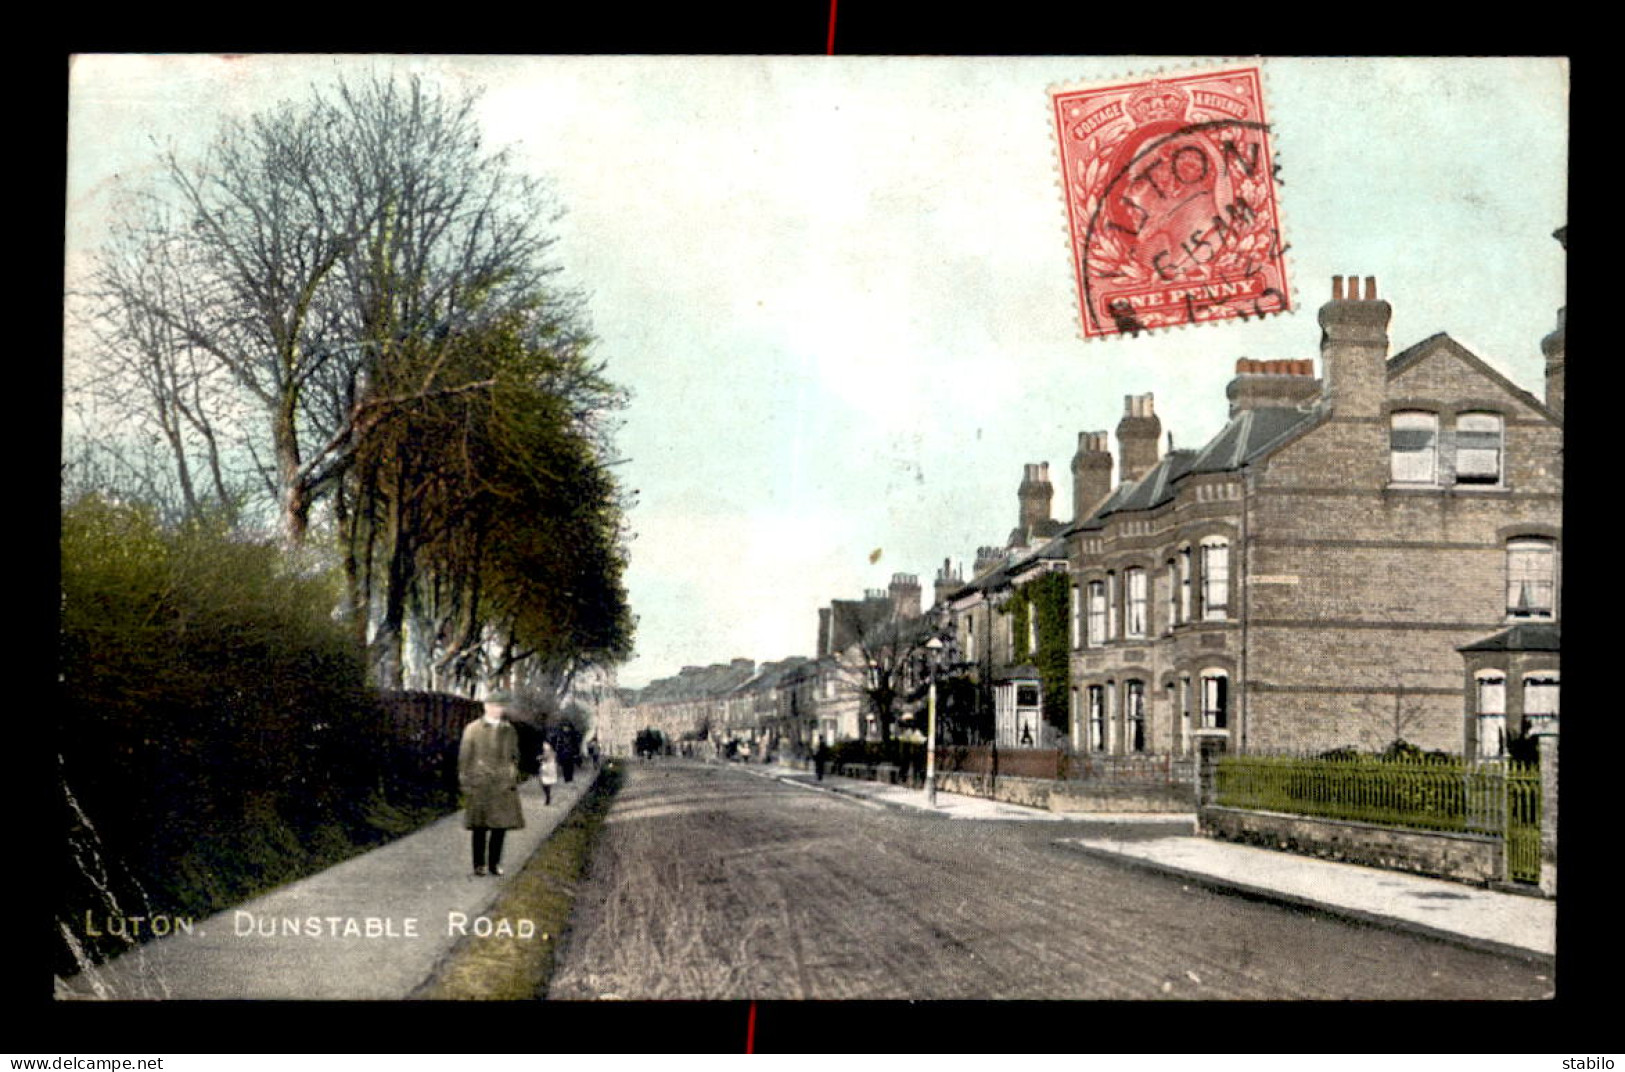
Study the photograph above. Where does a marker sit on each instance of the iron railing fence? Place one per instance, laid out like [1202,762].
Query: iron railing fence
[1432,793]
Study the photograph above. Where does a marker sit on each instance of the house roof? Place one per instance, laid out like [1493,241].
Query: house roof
[1250,435]
[1525,636]
[1442,341]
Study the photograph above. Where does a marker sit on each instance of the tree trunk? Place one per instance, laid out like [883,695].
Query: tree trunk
[295,495]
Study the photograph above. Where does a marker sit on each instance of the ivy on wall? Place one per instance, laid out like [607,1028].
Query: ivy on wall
[1048,599]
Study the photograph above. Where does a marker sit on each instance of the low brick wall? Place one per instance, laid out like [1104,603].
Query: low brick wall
[1071,796]
[1075,795]
[1464,857]
[1031,792]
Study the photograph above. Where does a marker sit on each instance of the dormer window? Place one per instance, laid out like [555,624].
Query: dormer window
[1413,448]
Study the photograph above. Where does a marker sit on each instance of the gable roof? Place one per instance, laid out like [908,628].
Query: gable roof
[1442,342]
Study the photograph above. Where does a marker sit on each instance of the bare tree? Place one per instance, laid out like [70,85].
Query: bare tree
[307,250]
[350,284]
[880,659]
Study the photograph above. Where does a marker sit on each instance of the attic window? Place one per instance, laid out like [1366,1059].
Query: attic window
[1478,448]
[1413,444]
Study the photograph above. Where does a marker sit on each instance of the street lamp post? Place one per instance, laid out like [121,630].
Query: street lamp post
[934,646]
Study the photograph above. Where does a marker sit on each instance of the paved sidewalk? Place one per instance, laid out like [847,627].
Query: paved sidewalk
[373,927]
[1454,911]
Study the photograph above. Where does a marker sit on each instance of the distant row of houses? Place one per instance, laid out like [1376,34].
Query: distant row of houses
[1361,556]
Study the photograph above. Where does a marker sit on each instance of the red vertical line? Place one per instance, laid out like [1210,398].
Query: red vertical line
[830,46]
[750,1030]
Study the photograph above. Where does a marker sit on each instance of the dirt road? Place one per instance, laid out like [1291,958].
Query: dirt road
[719,883]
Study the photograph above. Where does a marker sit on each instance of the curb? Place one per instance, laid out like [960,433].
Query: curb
[827,787]
[1295,901]
[501,889]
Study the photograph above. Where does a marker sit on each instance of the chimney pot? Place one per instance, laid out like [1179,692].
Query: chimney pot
[1370,288]
[1337,288]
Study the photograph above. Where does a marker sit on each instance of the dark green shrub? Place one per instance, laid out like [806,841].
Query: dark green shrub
[216,733]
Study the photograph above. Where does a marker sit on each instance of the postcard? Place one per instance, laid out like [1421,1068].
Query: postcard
[812,527]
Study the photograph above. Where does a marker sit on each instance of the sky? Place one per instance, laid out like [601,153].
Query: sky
[840,289]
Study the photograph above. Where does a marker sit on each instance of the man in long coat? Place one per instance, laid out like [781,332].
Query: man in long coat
[488,772]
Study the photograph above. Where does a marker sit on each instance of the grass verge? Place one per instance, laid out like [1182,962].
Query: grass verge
[513,968]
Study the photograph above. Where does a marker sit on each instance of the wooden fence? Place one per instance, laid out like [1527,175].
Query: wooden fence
[425,728]
[1002,762]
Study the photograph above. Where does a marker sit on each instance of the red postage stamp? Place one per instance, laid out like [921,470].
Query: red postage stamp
[1171,198]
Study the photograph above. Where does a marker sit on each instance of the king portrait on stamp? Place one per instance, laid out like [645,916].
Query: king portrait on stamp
[1171,201]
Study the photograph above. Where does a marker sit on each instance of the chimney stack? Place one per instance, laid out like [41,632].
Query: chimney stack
[1138,434]
[1354,348]
[986,559]
[1552,345]
[905,597]
[1271,383]
[1035,495]
[948,581]
[1091,474]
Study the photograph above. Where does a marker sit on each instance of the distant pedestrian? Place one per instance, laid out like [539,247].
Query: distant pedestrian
[488,773]
[548,774]
[567,761]
[821,759]
[592,750]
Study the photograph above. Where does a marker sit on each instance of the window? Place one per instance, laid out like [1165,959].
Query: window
[1531,579]
[1111,606]
[1097,613]
[1215,580]
[1185,715]
[1215,700]
[1539,701]
[1134,602]
[1185,584]
[1413,448]
[1097,719]
[1077,618]
[1032,629]
[1173,593]
[1492,709]
[1134,716]
[1478,448]
[1026,695]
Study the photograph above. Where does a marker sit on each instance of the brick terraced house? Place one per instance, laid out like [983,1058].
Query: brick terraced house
[1317,574]
[1364,556]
